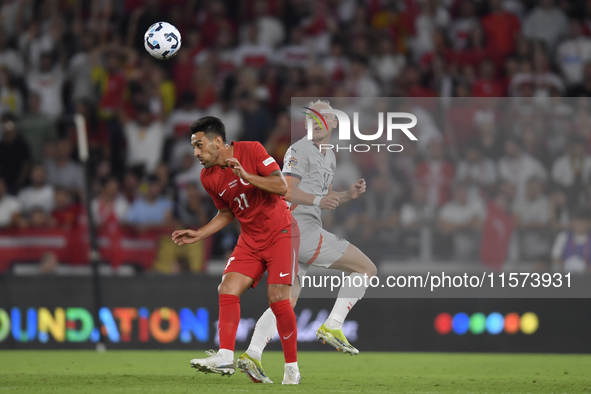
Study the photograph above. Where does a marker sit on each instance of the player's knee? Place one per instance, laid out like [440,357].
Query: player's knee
[276,293]
[225,288]
[366,267]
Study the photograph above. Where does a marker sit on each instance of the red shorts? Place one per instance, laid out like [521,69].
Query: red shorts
[279,259]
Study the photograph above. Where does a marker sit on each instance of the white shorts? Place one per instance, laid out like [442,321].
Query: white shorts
[319,248]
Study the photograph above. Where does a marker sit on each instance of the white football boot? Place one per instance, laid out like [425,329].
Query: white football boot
[215,363]
[291,375]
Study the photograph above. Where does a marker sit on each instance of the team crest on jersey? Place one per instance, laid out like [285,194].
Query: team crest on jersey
[332,168]
[292,162]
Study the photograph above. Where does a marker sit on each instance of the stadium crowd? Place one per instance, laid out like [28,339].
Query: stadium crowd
[524,164]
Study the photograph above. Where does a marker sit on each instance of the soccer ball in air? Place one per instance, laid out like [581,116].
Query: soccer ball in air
[162,40]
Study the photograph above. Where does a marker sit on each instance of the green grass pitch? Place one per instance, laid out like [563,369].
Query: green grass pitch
[322,372]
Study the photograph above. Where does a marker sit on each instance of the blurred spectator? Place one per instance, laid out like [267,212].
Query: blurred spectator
[36,128]
[48,83]
[380,216]
[573,53]
[145,140]
[79,71]
[487,85]
[436,174]
[500,28]
[532,211]
[131,186]
[489,139]
[10,58]
[417,212]
[572,248]
[270,30]
[433,16]
[153,210]
[39,195]
[476,170]
[460,28]
[531,216]
[9,207]
[61,170]
[110,206]
[461,212]
[517,167]
[214,20]
[296,53]
[190,172]
[163,175]
[39,219]
[336,64]
[257,119]
[572,171]
[11,99]
[583,88]
[34,44]
[67,212]
[226,110]
[559,210]
[15,158]
[280,139]
[461,219]
[252,53]
[192,212]
[546,22]
[205,89]
[360,83]
[181,118]
[387,63]
[109,75]
[140,20]
[177,130]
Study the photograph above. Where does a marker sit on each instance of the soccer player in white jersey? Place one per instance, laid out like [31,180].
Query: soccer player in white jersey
[309,172]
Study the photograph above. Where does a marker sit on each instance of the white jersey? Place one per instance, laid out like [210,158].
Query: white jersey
[315,170]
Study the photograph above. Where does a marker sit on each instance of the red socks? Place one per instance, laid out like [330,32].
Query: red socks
[287,327]
[229,320]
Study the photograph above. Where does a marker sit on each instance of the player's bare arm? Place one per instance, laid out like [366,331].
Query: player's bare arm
[295,195]
[354,192]
[274,183]
[221,220]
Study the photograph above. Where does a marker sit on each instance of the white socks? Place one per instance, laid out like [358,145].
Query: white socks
[226,353]
[266,327]
[264,331]
[342,306]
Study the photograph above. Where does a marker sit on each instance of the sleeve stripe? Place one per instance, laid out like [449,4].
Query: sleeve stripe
[292,174]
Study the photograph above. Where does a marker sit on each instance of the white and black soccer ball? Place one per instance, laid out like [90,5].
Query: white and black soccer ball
[162,40]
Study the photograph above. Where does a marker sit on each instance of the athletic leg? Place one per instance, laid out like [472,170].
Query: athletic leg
[357,264]
[232,286]
[266,326]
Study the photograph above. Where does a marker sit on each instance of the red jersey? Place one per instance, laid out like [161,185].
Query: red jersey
[262,215]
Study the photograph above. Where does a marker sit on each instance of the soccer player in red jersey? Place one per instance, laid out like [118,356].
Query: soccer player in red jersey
[246,183]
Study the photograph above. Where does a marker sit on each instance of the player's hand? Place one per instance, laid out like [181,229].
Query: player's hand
[357,189]
[185,237]
[330,201]
[237,168]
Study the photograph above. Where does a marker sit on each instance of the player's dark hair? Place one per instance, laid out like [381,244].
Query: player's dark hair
[210,126]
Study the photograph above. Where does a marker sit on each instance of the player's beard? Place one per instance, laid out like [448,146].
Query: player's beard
[214,154]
